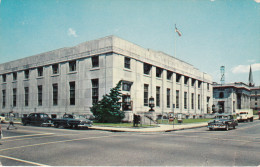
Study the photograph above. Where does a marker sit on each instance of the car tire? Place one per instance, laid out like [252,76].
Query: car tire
[56,125]
[210,129]
[234,126]
[24,123]
[227,127]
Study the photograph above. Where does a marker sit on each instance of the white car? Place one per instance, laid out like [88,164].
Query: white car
[2,119]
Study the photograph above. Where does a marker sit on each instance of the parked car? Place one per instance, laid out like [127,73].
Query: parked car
[223,121]
[2,119]
[72,121]
[40,119]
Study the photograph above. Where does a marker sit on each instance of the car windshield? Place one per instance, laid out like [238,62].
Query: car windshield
[79,117]
[243,113]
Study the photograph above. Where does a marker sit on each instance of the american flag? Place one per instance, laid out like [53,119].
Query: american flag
[176,30]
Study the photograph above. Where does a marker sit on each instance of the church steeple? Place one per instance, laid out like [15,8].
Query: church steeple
[251,82]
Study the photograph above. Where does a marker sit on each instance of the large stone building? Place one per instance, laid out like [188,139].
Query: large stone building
[72,79]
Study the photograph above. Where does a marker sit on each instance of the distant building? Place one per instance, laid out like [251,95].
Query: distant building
[72,79]
[255,98]
[229,97]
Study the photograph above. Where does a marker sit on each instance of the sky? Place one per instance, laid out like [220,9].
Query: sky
[215,33]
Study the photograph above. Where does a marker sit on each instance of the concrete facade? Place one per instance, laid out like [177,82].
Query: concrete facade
[255,98]
[107,61]
[229,97]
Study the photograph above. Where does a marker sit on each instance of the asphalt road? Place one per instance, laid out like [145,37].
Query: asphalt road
[30,145]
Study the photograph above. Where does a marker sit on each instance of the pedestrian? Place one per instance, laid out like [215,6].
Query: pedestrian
[11,120]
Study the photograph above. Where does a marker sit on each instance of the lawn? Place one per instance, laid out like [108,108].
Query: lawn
[121,125]
[185,121]
[129,125]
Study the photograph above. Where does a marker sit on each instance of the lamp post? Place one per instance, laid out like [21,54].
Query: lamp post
[151,104]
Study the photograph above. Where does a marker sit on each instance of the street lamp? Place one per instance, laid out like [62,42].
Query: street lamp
[151,104]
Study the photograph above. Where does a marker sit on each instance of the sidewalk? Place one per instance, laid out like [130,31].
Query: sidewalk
[160,128]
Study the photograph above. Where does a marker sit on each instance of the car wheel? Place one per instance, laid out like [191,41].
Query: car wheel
[56,125]
[227,127]
[234,126]
[210,129]
[24,123]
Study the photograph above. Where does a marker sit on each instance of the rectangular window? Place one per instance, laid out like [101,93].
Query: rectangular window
[72,66]
[186,80]
[185,100]
[192,101]
[26,96]
[4,95]
[193,81]
[169,75]
[4,77]
[177,99]
[199,84]
[147,68]
[157,96]
[55,94]
[255,98]
[72,93]
[146,86]
[95,61]
[55,68]
[208,86]
[159,72]
[127,62]
[14,97]
[26,74]
[168,98]
[14,76]
[95,87]
[178,77]
[40,71]
[39,95]
[199,102]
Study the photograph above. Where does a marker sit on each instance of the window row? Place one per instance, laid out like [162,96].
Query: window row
[168,98]
[147,70]
[55,94]
[55,69]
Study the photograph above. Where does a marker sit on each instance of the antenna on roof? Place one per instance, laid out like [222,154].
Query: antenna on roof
[222,71]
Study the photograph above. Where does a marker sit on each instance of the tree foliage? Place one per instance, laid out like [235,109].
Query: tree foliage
[108,109]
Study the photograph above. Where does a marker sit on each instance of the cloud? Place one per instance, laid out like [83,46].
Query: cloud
[257,1]
[72,32]
[245,68]
[251,61]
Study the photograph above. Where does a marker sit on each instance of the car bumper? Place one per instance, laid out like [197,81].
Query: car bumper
[217,126]
[84,125]
[47,124]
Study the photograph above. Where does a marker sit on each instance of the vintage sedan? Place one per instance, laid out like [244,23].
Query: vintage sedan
[40,119]
[223,121]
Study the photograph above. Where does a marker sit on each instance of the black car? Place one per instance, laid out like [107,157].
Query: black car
[72,121]
[40,119]
[223,121]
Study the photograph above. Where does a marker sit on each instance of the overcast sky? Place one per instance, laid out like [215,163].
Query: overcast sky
[214,32]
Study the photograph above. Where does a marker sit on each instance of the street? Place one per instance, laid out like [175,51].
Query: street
[31,145]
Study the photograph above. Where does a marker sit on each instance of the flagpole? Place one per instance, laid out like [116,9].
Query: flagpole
[175,42]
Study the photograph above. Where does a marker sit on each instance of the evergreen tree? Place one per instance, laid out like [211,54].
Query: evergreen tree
[108,109]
